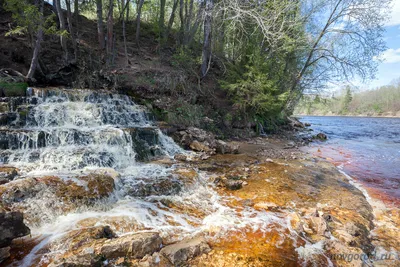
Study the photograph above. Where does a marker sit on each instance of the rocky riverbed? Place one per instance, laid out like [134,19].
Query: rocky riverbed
[259,202]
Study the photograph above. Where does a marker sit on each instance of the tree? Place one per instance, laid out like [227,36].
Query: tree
[171,19]
[29,19]
[161,19]
[63,28]
[100,29]
[206,55]
[71,29]
[345,36]
[38,44]
[139,12]
[110,32]
[347,100]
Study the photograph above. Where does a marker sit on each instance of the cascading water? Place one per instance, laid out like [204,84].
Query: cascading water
[68,133]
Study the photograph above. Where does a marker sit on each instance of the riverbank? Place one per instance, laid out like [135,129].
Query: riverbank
[281,206]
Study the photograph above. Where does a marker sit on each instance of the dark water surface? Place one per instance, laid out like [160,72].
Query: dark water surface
[367,149]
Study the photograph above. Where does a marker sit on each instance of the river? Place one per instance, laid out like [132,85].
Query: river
[368,149]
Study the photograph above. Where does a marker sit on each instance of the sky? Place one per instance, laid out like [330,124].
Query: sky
[390,68]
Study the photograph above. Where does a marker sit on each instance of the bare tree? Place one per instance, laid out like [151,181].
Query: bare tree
[38,43]
[139,12]
[345,38]
[206,55]
[100,27]
[71,28]
[110,31]
[161,20]
[171,18]
[63,28]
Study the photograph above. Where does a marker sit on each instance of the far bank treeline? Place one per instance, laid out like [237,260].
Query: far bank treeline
[260,55]
[382,101]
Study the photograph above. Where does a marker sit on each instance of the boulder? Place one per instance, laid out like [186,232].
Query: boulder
[226,148]
[200,146]
[4,253]
[321,136]
[135,245]
[11,227]
[181,252]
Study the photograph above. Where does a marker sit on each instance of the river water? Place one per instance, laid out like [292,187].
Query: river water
[368,149]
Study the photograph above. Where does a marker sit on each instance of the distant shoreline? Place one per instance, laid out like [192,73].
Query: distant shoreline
[356,116]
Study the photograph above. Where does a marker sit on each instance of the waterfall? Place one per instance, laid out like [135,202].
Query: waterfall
[66,130]
[67,134]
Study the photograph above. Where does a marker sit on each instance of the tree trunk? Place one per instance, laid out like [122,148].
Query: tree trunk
[63,28]
[124,27]
[76,14]
[171,19]
[161,20]
[71,28]
[38,44]
[100,30]
[206,55]
[182,19]
[110,31]
[188,17]
[139,12]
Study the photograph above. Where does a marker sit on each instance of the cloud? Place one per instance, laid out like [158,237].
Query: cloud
[391,56]
[395,14]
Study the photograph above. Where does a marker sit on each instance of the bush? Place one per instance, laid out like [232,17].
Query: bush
[13,89]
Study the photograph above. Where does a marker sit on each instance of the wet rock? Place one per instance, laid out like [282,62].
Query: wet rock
[19,190]
[145,142]
[266,206]
[135,245]
[186,175]
[160,187]
[185,250]
[321,136]
[7,118]
[7,174]
[233,184]
[307,124]
[180,157]
[4,253]
[4,107]
[295,123]
[226,148]
[85,260]
[200,146]
[230,184]
[97,186]
[11,227]
[316,226]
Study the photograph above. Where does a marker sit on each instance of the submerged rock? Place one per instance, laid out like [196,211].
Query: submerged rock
[181,252]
